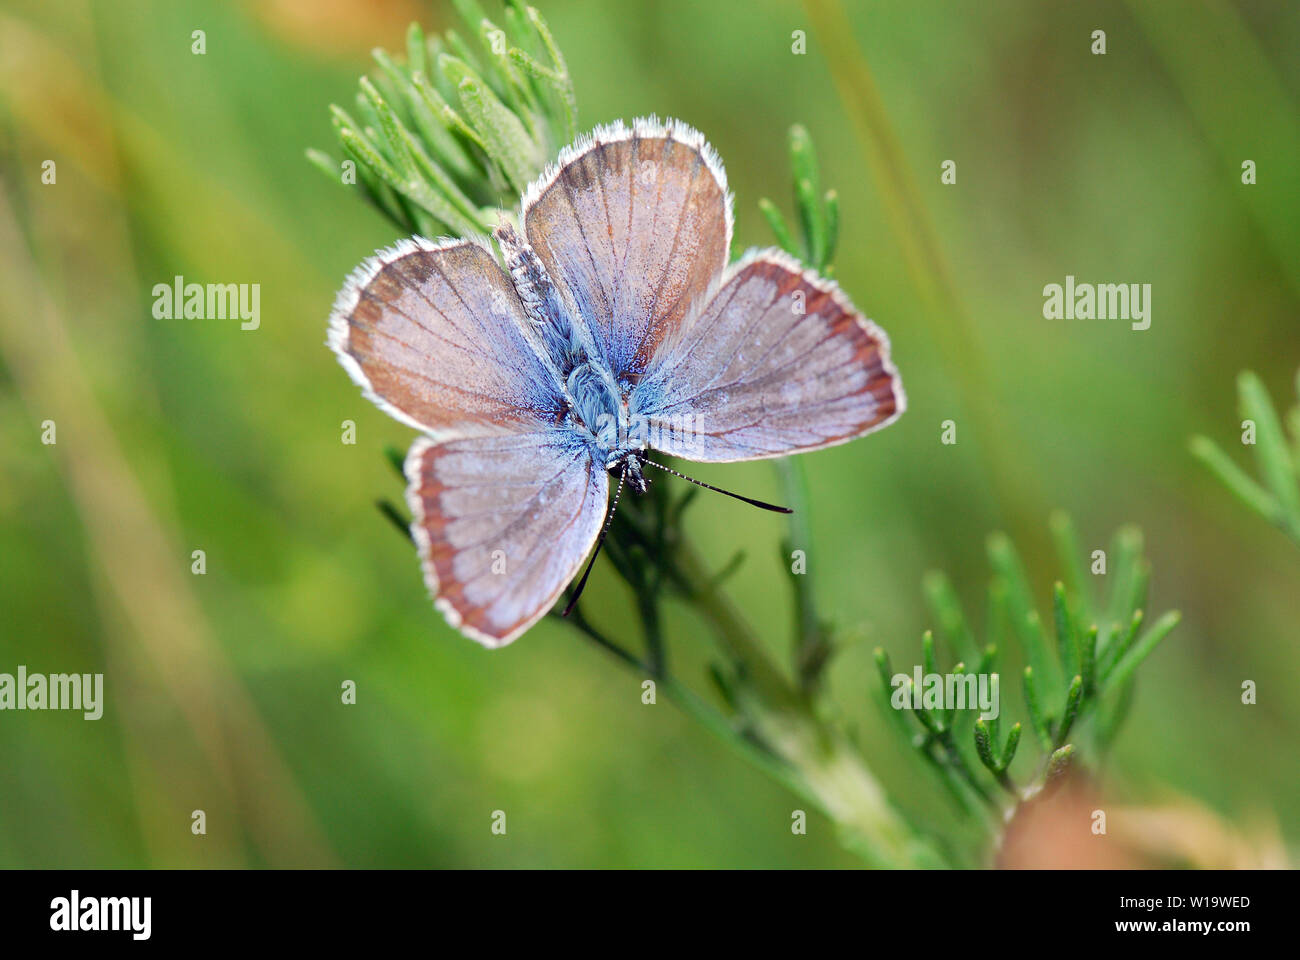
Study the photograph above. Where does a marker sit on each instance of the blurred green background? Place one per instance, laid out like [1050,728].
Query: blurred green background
[175,435]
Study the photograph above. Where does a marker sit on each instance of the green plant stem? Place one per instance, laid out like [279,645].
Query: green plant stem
[1236,479]
[826,764]
[697,709]
[812,646]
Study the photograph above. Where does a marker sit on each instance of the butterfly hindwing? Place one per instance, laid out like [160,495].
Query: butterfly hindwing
[632,224]
[777,361]
[502,524]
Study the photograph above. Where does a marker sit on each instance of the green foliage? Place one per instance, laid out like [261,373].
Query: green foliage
[426,164]
[172,164]
[1277,498]
[817,213]
[1075,693]
[457,131]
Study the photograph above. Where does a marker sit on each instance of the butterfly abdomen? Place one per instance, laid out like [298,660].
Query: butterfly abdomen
[598,406]
[540,299]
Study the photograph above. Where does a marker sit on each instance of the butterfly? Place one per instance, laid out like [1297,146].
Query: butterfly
[612,326]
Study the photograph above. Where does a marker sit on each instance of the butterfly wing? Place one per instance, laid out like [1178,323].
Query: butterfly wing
[502,524]
[436,336]
[632,224]
[777,361]
[505,503]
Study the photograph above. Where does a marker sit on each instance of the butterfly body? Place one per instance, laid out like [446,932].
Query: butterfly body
[597,403]
[611,326]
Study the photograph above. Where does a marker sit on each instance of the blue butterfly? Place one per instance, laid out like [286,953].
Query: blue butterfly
[616,327]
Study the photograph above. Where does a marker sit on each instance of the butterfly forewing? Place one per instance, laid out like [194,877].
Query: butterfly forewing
[435,334]
[633,225]
[778,361]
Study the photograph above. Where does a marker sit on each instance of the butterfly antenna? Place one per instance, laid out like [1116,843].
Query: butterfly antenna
[708,486]
[599,543]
